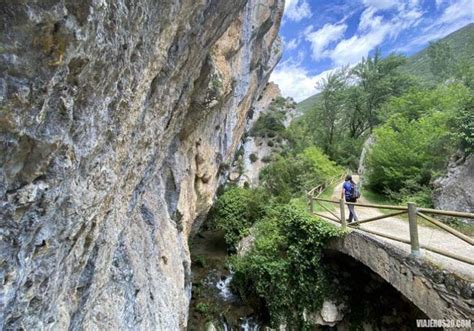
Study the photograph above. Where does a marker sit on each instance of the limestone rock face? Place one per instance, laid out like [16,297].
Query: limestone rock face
[116,117]
[258,150]
[363,156]
[454,190]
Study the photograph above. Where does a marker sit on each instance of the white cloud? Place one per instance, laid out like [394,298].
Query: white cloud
[373,30]
[456,11]
[439,3]
[350,51]
[381,4]
[295,81]
[296,10]
[292,44]
[368,20]
[456,15]
[321,38]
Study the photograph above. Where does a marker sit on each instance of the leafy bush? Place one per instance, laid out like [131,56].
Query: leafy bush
[279,102]
[462,125]
[421,102]
[408,154]
[266,159]
[269,124]
[207,310]
[236,210]
[292,176]
[282,271]
[423,129]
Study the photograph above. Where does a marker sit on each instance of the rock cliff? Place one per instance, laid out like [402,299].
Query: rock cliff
[454,191]
[261,142]
[116,120]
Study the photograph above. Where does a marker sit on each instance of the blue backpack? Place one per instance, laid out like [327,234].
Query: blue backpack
[355,191]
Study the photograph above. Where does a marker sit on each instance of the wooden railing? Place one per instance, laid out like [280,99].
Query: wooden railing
[413,213]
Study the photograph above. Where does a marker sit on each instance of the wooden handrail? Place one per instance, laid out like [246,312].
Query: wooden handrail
[328,210]
[376,218]
[428,248]
[370,205]
[454,232]
[412,211]
[446,212]
[407,241]
[326,216]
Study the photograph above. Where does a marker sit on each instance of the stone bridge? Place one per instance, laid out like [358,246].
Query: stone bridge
[438,291]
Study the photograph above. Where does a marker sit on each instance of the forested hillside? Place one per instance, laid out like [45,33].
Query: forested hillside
[461,44]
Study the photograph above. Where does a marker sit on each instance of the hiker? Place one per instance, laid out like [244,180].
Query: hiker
[350,193]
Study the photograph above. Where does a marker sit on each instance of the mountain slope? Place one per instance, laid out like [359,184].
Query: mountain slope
[307,104]
[461,43]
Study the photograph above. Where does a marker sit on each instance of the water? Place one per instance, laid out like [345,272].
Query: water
[212,297]
[249,324]
[223,286]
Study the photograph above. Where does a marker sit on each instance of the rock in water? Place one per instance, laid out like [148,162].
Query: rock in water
[115,120]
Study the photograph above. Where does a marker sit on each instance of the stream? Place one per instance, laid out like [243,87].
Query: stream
[213,300]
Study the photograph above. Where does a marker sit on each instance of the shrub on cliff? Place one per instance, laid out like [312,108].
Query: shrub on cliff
[235,211]
[282,271]
[269,124]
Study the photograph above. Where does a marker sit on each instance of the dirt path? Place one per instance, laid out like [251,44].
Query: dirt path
[427,235]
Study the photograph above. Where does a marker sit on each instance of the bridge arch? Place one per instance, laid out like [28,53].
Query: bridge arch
[438,293]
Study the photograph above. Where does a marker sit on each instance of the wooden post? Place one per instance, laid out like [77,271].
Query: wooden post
[343,213]
[415,244]
[311,203]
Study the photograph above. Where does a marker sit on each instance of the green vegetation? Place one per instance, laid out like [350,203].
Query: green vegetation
[291,176]
[346,113]
[281,274]
[308,103]
[461,44]
[207,310]
[419,65]
[253,158]
[413,144]
[282,271]
[417,124]
[236,210]
[269,124]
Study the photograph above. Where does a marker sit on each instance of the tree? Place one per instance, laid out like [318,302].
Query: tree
[329,111]
[441,60]
[355,117]
[379,79]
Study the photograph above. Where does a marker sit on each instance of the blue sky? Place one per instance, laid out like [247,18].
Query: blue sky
[321,35]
